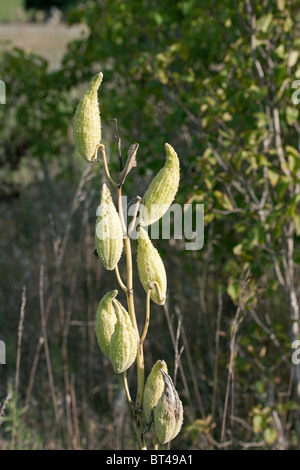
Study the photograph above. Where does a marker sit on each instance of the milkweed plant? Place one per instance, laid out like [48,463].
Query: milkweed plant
[157,406]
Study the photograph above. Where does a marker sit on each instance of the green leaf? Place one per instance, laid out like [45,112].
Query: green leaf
[280,5]
[293,58]
[260,386]
[256,236]
[233,290]
[296,218]
[273,177]
[227,116]
[258,423]
[223,200]
[270,435]
[292,150]
[293,163]
[264,22]
[238,249]
[291,115]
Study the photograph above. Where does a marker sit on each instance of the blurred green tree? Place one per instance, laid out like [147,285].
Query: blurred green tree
[35,119]
[216,78]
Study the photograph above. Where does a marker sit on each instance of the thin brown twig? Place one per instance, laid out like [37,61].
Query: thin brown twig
[3,407]
[76,437]
[219,445]
[45,342]
[17,375]
[86,176]
[216,358]
[20,335]
[67,384]
[230,378]
[193,373]
[173,339]
[177,352]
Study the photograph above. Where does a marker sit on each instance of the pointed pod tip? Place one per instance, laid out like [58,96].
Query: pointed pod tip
[142,234]
[105,192]
[87,121]
[109,296]
[97,79]
[170,151]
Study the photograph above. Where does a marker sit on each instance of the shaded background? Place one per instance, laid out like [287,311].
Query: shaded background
[214,79]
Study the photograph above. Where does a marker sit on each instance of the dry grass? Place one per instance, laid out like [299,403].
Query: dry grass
[47,40]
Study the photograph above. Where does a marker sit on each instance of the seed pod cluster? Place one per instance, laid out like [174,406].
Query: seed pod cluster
[115,333]
[123,343]
[162,190]
[168,414]
[87,123]
[109,234]
[151,269]
[105,321]
[153,389]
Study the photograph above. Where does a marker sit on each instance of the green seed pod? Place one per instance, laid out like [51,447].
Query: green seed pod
[123,343]
[162,190]
[153,389]
[109,234]
[151,268]
[168,414]
[105,321]
[87,124]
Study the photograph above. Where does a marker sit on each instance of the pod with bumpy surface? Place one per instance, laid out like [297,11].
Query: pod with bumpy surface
[151,269]
[123,343]
[162,190]
[105,321]
[87,123]
[153,389]
[168,414]
[109,234]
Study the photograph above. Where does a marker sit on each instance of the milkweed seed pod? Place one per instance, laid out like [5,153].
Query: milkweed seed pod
[123,343]
[162,190]
[168,414]
[153,389]
[105,321]
[109,234]
[87,124]
[151,269]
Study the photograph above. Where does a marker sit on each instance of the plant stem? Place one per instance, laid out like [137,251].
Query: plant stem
[147,320]
[137,205]
[131,311]
[127,391]
[103,153]
[121,283]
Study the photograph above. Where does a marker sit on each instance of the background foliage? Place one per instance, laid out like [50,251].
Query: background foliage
[215,80]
